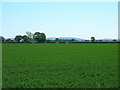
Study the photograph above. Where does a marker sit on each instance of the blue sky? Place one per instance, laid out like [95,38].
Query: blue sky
[61,19]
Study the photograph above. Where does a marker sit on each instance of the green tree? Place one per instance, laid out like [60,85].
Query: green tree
[56,39]
[8,40]
[43,37]
[48,40]
[39,37]
[18,38]
[2,39]
[26,38]
[30,35]
[114,40]
[92,39]
[73,39]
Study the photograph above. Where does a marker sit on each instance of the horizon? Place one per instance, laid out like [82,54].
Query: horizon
[75,38]
[61,19]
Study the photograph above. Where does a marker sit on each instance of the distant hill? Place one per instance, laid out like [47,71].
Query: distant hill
[79,39]
[107,39]
[53,38]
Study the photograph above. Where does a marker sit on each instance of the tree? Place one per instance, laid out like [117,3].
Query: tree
[2,39]
[25,38]
[57,39]
[43,37]
[73,39]
[18,38]
[8,40]
[114,40]
[48,40]
[30,35]
[92,39]
[39,37]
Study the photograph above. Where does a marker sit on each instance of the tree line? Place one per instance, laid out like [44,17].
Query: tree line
[38,37]
[29,37]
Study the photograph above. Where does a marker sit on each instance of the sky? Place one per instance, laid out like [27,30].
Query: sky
[61,19]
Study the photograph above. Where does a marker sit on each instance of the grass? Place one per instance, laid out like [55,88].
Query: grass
[60,65]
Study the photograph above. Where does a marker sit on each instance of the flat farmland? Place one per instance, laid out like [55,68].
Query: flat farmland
[60,65]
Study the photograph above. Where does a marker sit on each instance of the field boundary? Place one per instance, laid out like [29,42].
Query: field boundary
[60,42]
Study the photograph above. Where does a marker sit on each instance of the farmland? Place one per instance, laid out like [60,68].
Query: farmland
[60,65]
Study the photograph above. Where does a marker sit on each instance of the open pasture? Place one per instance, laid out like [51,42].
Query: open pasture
[60,65]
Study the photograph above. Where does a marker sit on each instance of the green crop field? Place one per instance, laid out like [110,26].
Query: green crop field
[60,65]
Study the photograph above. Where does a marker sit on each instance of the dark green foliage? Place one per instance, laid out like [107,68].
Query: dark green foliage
[26,38]
[92,39]
[114,40]
[73,40]
[18,38]
[2,39]
[8,40]
[57,39]
[43,37]
[39,37]
[60,65]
